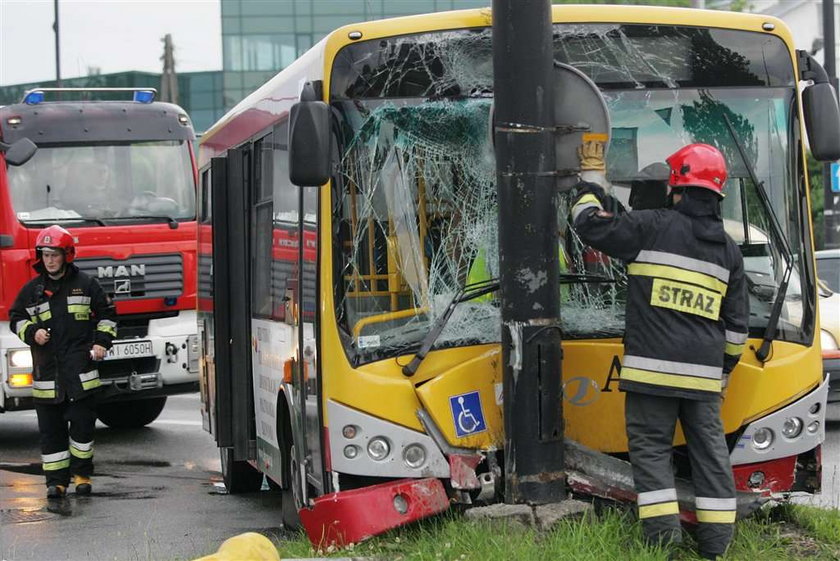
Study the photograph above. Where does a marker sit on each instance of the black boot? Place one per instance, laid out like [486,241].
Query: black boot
[56,491]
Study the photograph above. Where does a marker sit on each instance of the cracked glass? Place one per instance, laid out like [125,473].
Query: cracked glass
[414,210]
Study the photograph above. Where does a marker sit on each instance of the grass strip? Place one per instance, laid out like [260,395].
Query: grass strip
[780,534]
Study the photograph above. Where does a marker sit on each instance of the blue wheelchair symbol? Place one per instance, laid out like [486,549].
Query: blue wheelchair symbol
[467,414]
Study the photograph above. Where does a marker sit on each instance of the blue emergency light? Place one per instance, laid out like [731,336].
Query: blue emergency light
[34,97]
[144,96]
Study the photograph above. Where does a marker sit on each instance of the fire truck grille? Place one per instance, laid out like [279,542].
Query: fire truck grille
[139,276]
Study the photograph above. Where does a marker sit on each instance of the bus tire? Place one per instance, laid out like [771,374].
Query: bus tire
[291,518]
[130,414]
[239,476]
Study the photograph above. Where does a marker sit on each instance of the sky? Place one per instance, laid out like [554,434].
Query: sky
[112,35]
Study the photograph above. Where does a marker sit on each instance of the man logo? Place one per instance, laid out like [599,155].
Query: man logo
[122,286]
[110,271]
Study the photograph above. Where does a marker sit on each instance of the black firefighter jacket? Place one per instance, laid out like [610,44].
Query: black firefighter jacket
[687,306]
[78,315]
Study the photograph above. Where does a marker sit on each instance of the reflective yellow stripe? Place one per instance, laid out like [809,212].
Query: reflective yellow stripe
[733,349]
[78,308]
[52,466]
[22,331]
[686,298]
[588,198]
[106,329]
[716,516]
[662,509]
[45,316]
[81,453]
[670,380]
[43,394]
[674,273]
[95,383]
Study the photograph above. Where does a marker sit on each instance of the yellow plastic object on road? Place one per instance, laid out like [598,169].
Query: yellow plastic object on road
[249,546]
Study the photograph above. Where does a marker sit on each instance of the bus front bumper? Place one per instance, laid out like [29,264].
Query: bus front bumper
[339,519]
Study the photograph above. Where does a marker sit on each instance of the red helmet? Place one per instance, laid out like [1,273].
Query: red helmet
[56,237]
[697,165]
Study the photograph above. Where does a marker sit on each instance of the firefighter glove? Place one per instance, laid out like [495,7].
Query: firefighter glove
[591,156]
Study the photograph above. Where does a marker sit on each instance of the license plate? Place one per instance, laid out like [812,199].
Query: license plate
[133,349]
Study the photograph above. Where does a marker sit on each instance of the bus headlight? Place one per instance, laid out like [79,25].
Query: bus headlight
[378,448]
[414,456]
[827,341]
[762,438]
[792,427]
[20,358]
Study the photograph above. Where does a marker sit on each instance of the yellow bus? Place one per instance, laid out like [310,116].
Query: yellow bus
[313,300]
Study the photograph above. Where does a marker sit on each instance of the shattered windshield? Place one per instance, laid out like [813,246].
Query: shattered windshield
[73,182]
[415,208]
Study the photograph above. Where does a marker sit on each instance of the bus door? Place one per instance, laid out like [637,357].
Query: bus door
[231,179]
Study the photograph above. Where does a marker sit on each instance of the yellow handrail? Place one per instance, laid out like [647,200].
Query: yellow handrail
[388,316]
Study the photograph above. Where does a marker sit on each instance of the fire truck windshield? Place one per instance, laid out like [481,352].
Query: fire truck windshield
[82,182]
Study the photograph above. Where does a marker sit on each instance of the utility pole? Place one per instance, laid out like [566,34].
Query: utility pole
[57,47]
[523,66]
[831,208]
[168,80]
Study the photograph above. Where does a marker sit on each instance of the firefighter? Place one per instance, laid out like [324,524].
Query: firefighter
[686,326]
[68,322]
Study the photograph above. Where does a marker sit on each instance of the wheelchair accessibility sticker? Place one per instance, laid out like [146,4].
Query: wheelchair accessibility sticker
[467,414]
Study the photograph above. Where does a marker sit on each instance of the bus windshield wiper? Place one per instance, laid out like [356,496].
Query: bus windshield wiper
[468,292]
[779,238]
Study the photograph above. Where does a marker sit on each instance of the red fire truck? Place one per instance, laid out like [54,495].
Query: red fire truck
[120,175]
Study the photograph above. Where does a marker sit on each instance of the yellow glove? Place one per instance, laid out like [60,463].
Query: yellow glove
[591,156]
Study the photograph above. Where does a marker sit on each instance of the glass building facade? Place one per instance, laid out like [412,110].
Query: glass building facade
[199,93]
[260,38]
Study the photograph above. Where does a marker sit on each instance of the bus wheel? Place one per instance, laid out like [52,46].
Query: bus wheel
[291,519]
[130,414]
[239,476]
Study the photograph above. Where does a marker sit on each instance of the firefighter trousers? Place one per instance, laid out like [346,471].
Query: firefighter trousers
[66,430]
[651,421]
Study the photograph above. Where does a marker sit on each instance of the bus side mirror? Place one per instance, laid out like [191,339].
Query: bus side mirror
[819,104]
[822,121]
[309,143]
[18,152]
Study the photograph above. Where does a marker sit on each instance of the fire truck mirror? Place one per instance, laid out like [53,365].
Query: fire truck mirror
[19,152]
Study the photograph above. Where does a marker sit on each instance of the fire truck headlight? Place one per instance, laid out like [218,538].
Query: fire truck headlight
[20,358]
[762,438]
[378,448]
[792,427]
[814,427]
[414,455]
[349,431]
